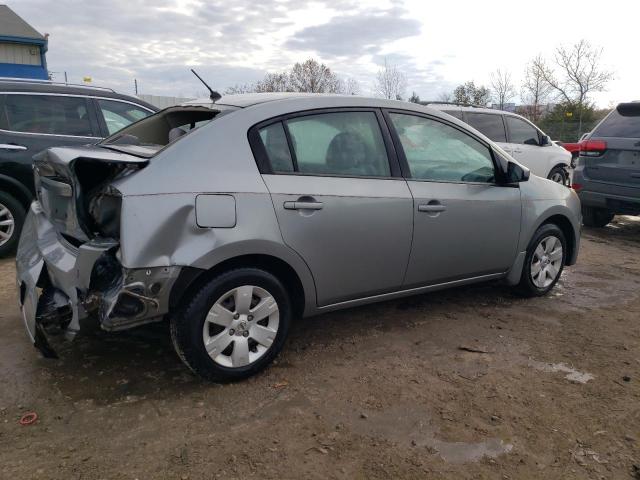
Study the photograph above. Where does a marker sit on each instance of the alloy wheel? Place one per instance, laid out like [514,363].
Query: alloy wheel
[546,261]
[241,326]
[7,224]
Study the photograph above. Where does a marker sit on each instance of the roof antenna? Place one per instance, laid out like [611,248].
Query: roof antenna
[214,96]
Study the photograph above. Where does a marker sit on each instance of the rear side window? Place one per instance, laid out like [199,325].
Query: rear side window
[342,143]
[46,114]
[617,125]
[522,132]
[488,124]
[118,115]
[275,143]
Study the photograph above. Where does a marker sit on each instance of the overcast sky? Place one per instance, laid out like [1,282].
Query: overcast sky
[437,44]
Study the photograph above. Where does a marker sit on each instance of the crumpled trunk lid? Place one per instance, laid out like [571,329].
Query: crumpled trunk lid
[67,179]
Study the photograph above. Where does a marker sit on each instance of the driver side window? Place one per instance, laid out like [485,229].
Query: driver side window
[440,153]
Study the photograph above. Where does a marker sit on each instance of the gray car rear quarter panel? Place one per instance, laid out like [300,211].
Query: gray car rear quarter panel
[160,200]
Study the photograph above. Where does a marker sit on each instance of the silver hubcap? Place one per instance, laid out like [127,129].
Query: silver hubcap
[7,225]
[241,326]
[546,261]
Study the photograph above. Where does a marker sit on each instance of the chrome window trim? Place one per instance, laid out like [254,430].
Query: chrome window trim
[96,97]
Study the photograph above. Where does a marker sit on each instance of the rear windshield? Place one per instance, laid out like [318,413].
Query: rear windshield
[148,136]
[617,125]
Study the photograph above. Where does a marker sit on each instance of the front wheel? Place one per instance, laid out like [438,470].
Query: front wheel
[233,326]
[559,175]
[544,261]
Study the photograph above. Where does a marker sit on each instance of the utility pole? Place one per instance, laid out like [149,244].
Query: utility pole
[135,84]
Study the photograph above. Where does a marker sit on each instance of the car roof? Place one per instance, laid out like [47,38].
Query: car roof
[307,100]
[43,86]
[467,108]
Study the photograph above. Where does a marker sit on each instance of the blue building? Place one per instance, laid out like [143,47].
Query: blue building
[22,49]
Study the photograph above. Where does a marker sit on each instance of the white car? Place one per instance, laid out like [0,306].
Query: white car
[518,137]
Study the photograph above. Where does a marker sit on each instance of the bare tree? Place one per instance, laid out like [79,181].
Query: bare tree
[580,74]
[469,94]
[390,82]
[503,89]
[274,82]
[535,90]
[414,98]
[350,86]
[313,77]
[446,97]
[240,88]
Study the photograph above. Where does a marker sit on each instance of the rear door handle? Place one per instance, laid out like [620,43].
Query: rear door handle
[13,147]
[432,208]
[303,205]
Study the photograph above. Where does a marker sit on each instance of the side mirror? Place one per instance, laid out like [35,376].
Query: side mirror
[517,173]
[545,141]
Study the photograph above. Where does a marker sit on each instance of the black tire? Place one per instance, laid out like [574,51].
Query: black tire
[187,324]
[559,175]
[17,213]
[596,217]
[526,287]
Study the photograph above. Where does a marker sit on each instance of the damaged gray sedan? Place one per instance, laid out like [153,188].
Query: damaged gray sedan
[231,219]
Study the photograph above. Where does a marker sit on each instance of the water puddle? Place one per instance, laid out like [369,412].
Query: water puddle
[572,374]
[408,427]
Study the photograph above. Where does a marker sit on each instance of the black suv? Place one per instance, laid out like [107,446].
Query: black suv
[35,115]
[607,175]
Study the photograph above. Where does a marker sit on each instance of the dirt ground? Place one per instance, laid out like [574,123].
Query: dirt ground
[382,391]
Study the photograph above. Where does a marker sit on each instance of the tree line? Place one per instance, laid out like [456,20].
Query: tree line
[567,79]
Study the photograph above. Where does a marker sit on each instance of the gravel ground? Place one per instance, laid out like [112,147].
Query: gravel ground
[469,383]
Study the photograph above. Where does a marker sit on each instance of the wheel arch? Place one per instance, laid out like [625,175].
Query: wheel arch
[192,278]
[565,225]
[16,189]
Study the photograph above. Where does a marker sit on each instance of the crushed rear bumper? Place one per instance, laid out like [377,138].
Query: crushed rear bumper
[60,285]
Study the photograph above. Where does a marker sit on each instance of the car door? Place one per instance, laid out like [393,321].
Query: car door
[524,140]
[340,201]
[30,123]
[465,224]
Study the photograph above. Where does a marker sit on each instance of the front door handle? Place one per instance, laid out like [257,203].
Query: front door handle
[13,147]
[303,205]
[432,208]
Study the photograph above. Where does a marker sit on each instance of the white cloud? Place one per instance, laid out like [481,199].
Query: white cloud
[437,44]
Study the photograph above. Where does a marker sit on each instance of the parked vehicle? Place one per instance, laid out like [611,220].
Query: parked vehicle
[607,175]
[573,149]
[235,218]
[35,115]
[517,136]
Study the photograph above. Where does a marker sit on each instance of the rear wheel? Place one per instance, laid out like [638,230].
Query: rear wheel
[233,326]
[596,217]
[544,261]
[559,175]
[12,215]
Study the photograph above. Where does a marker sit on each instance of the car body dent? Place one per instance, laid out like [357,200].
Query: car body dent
[174,238]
